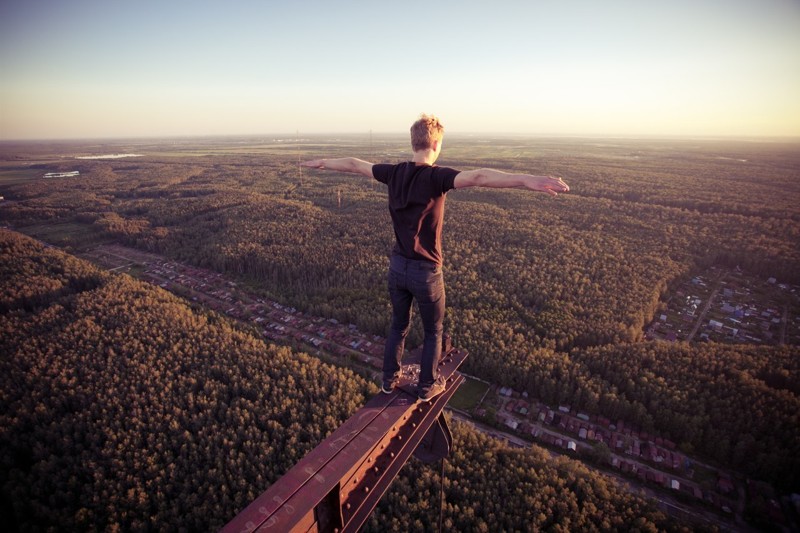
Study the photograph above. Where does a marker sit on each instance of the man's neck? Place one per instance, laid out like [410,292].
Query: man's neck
[425,157]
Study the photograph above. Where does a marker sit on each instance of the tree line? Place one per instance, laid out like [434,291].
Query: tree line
[125,409]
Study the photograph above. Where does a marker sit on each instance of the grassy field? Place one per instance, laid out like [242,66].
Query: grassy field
[469,394]
[16,176]
[71,235]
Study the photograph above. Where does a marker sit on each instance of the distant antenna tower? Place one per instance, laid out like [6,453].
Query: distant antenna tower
[339,197]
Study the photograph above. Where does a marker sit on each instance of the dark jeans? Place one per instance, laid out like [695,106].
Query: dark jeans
[422,281]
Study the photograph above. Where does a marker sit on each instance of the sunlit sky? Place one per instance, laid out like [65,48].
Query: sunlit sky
[118,68]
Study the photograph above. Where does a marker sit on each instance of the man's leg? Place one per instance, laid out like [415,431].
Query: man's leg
[401,318]
[428,289]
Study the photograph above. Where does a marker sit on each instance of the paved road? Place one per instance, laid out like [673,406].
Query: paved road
[706,306]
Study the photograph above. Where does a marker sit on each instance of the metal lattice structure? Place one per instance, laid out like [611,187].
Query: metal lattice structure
[337,485]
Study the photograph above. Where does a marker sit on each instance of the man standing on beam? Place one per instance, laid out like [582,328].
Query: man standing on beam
[417,191]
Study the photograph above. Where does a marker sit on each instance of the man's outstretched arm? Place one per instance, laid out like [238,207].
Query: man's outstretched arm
[497,179]
[344,164]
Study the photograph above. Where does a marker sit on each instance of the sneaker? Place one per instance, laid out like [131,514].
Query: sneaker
[388,387]
[429,392]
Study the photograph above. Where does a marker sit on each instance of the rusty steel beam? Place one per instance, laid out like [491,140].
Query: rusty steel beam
[337,485]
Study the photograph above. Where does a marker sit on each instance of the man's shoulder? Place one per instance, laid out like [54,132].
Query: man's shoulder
[382,171]
[447,170]
[446,177]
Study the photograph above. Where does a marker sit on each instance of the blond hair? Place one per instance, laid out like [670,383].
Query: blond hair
[424,131]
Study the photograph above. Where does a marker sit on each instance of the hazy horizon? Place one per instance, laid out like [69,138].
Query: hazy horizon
[290,137]
[96,70]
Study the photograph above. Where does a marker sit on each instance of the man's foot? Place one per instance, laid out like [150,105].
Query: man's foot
[429,392]
[388,386]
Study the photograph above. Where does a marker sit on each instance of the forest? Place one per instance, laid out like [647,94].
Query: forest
[125,410]
[549,295]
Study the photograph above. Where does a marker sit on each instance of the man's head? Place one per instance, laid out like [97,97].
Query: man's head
[426,133]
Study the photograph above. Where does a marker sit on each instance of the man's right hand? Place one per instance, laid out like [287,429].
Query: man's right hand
[497,179]
[548,184]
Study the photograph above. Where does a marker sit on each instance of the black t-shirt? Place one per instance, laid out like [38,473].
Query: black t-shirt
[416,203]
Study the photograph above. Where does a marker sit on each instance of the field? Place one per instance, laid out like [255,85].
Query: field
[469,395]
[17,176]
[73,235]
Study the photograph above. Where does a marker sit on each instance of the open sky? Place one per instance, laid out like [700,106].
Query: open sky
[118,68]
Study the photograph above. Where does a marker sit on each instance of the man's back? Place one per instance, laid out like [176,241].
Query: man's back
[416,203]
